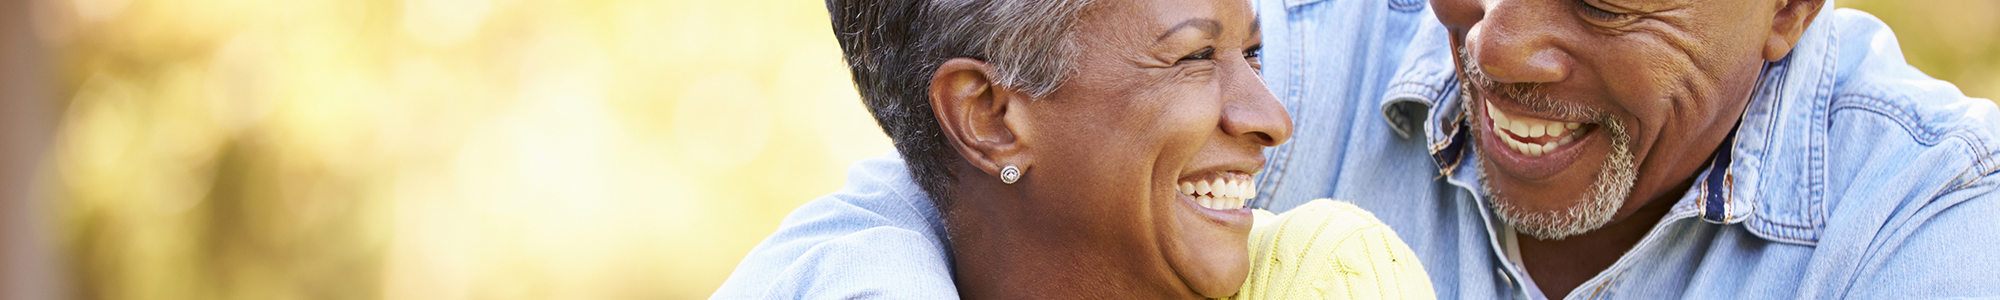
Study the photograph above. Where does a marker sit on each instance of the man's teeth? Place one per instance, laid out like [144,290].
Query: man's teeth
[1227,193]
[1531,128]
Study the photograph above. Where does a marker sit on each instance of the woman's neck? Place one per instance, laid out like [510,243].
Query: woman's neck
[1002,251]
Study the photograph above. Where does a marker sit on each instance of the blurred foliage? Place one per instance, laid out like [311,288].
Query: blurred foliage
[439,149]
[493,149]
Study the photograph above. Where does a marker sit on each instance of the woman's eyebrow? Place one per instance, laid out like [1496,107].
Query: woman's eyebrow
[1207,26]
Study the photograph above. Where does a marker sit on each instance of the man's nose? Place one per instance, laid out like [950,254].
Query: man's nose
[1516,42]
[1252,112]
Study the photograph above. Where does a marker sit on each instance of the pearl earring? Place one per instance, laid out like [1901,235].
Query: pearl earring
[1009,174]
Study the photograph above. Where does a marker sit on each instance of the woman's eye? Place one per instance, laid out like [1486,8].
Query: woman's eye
[1600,14]
[1204,53]
[1251,55]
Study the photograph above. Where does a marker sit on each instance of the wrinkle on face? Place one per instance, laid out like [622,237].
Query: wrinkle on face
[1607,193]
[1677,74]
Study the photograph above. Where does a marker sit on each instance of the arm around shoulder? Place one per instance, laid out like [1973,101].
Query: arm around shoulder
[878,237]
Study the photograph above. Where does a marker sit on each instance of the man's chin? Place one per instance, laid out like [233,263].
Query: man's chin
[1585,216]
[1586,212]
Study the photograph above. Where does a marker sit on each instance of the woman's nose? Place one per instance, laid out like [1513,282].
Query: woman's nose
[1252,111]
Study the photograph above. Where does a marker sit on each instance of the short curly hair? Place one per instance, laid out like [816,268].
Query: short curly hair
[893,47]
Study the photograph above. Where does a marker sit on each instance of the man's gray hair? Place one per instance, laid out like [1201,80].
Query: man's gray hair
[893,47]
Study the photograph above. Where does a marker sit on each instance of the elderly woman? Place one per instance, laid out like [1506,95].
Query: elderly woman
[1055,149]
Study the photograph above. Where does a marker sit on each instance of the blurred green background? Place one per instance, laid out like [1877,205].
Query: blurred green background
[490,149]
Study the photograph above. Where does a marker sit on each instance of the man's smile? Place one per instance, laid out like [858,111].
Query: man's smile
[1532,147]
[1532,136]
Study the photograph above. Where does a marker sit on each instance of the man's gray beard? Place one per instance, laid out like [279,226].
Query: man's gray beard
[1614,184]
[1614,181]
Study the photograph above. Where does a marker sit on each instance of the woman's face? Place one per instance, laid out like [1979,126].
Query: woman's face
[1166,95]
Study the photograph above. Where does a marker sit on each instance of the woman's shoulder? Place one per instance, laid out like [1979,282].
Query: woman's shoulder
[1329,249]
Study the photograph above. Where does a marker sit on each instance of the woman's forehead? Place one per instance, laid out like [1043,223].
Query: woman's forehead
[1156,20]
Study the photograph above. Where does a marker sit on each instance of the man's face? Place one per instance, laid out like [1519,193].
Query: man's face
[1584,109]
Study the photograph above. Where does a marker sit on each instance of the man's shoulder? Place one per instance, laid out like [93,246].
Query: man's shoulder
[1882,120]
[878,235]
[1860,144]
[1901,169]
[1881,125]
[1872,79]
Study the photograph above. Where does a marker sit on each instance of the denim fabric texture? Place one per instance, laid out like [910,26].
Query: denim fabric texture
[876,238]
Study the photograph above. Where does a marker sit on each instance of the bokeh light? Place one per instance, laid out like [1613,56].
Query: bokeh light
[439,149]
[491,149]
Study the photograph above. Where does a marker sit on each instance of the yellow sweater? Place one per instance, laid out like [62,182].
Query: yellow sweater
[1330,250]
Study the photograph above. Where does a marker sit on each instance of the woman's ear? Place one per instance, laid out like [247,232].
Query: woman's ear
[973,109]
[1788,25]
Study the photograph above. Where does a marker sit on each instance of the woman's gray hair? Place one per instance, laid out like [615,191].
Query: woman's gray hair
[1028,42]
[893,47]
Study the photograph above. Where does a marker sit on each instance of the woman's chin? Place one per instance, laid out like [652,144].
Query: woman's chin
[1220,271]
[1215,258]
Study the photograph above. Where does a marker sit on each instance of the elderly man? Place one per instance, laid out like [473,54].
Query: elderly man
[1646,149]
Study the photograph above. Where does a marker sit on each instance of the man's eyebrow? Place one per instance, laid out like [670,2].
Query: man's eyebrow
[1207,26]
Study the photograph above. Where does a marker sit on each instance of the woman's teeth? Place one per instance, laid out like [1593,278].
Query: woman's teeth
[1532,128]
[1225,193]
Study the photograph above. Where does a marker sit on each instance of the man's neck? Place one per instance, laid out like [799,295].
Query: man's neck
[1559,266]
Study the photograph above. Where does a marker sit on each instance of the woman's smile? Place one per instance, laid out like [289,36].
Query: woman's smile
[1221,191]
[1219,196]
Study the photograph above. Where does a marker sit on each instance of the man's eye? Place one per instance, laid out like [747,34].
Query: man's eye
[1254,51]
[1600,14]
[1204,53]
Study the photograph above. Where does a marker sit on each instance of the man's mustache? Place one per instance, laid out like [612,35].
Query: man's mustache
[1532,95]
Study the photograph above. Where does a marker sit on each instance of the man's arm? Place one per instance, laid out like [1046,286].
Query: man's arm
[877,237]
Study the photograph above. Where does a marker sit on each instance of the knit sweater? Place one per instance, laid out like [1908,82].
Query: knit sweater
[1330,250]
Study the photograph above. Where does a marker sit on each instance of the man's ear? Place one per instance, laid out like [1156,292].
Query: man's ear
[973,109]
[1789,24]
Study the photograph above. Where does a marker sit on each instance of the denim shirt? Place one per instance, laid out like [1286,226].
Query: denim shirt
[876,238]
[1851,174]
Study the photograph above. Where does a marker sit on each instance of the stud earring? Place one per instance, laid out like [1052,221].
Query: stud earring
[1009,174]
